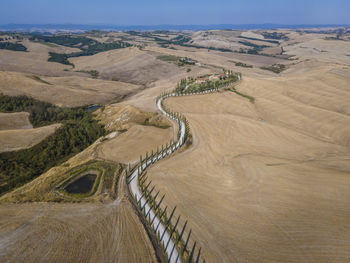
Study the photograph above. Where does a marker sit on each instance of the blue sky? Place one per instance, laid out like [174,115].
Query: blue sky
[177,12]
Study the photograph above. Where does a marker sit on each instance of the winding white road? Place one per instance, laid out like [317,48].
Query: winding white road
[173,254]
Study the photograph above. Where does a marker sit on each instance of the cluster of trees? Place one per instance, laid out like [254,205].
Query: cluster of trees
[276,68]
[179,61]
[60,58]
[180,40]
[275,35]
[12,46]
[254,46]
[189,86]
[243,65]
[65,40]
[41,113]
[94,73]
[87,45]
[79,130]
[261,40]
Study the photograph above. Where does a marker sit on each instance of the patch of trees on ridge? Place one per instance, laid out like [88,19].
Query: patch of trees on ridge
[87,46]
[12,46]
[180,40]
[275,35]
[79,130]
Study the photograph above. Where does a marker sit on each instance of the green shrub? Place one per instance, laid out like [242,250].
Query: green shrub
[276,68]
[12,46]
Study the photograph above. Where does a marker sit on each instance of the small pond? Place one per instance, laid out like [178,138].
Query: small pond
[93,107]
[83,185]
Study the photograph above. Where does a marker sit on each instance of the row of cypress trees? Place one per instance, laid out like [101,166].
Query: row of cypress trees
[177,233]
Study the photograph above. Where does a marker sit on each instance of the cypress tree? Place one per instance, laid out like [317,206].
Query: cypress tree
[192,252]
[188,238]
[199,254]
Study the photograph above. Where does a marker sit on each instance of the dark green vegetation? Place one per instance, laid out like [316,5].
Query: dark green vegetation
[262,40]
[47,44]
[250,98]
[59,58]
[82,185]
[41,113]
[79,130]
[37,78]
[252,45]
[189,85]
[87,46]
[179,61]
[168,58]
[276,68]
[12,46]
[243,65]
[275,35]
[94,73]
[179,40]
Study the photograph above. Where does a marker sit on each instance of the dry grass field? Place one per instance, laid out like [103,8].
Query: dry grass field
[128,65]
[64,91]
[16,139]
[98,230]
[16,132]
[53,232]
[137,132]
[16,120]
[263,182]
[35,60]
[269,181]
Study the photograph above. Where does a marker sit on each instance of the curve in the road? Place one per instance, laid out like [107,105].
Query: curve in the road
[158,226]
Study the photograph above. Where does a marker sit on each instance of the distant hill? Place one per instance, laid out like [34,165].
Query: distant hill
[82,28]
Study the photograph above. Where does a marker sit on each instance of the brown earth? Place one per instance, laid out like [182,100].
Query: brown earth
[13,140]
[52,232]
[144,139]
[17,120]
[35,60]
[64,91]
[16,132]
[128,65]
[263,182]
[137,133]
[269,181]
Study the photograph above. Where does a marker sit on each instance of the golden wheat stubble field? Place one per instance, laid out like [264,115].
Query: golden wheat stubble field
[85,232]
[36,230]
[269,181]
[16,131]
[263,182]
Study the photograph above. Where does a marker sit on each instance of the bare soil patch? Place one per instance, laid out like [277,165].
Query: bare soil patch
[65,91]
[16,139]
[14,121]
[266,181]
[41,232]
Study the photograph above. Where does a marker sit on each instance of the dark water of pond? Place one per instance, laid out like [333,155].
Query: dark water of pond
[94,107]
[83,185]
